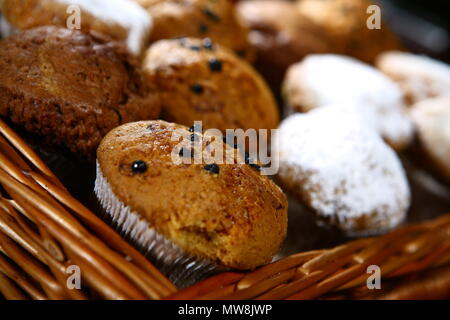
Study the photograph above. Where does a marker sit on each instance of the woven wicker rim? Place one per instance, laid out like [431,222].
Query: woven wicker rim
[44,230]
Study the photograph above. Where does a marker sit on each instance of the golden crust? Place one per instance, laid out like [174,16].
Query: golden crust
[28,14]
[237,217]
[344,24]
[198,18]
[232,96]
[279,42]
[67,87]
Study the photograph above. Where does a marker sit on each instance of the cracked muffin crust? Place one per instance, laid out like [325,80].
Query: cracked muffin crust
[120,20]
[70,89]
[280,35]
[200,80]
[344,25]
[226,213]
[215,19]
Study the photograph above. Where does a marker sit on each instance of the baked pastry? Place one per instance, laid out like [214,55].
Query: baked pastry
[419,76]
[432,119]
[68,88]
[219,215]
[321,80]
[120,20]
[280,35]
[200,80]
[344,25]
[198,18]
[342,170]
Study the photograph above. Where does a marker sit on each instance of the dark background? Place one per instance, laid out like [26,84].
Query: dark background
[422,25]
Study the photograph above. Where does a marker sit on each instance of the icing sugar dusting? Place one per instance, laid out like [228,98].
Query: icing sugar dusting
[344,168]
[432,117]
[420,74]
[326,79]
[125,13]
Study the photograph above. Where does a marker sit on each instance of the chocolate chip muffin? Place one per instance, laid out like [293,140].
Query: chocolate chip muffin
[198,18]
[344,24]
[68,88]
[118,20]
[200,80]
[227,215]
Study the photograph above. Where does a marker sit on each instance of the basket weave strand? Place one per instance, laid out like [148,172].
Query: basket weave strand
[58,223]
[315,274]
[44,230]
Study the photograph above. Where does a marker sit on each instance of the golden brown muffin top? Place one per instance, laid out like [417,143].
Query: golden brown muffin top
[281,35]
[198,18]
[229,213]
[73,85]
[344,23]
[122,21]
[200,80]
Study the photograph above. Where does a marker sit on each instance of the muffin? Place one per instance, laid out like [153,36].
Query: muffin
[321,80]
[200,80]
[344,25]
[198,18]
[343,171]
[64,86]
[280,36]
[119,20]
[419,76]
[219,215]
[432,119]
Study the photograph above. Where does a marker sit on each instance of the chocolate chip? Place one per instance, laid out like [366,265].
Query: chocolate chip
[211,15]
[185,152]
[213,168]
[194,137]
[241,53]
[215,65]
[139,166]
[202,28]
[192,129]
[208,44]
[197,88]
[195,48]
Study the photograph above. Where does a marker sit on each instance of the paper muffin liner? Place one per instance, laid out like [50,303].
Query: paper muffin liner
[182,268]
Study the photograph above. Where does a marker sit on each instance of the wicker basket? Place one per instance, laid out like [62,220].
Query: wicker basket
[44,231]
